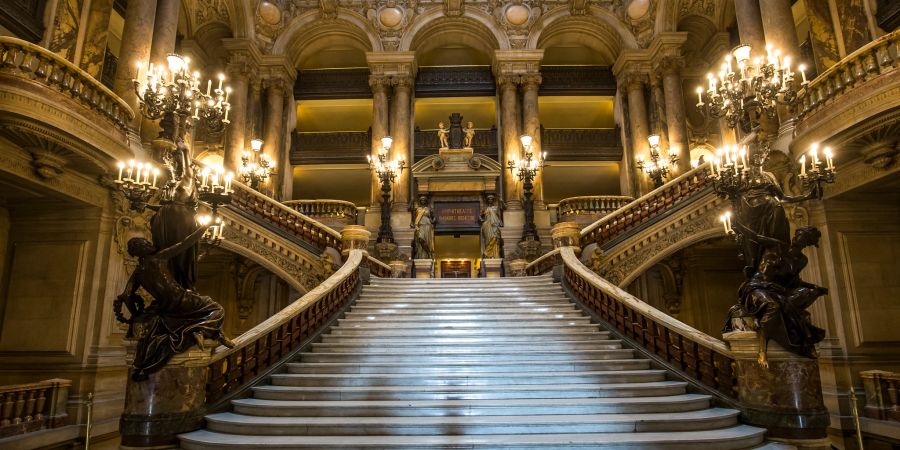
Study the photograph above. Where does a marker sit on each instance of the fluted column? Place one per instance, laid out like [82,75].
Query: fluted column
[670,67]
[400,131]
[380,125]
[750,25]
[273,127]
[235,144]
[135,48]
[637,115]
[165,28]
[531,125]
[509,123]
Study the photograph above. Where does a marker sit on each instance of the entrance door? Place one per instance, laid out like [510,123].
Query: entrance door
[456,269]
[456,255]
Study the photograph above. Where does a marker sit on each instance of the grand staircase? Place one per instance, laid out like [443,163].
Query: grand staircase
[488,363]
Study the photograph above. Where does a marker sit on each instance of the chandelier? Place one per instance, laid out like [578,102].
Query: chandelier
[256,166]
[134,181]
[658,166]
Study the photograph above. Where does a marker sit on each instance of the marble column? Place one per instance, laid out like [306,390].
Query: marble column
[96,36]
[254,108]
[290,124]
[509,123]
[135,49]
[380,125]
[778,24]
[675,114]
[400,131]
[637,116]
[531,125]
[165,28]
[273,128]
[750,25]
[238,80]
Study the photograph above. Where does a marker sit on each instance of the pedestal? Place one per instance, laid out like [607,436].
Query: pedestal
[424,268]
[785,398]
[517,267]
[399,269]
[492,267]
[170,402]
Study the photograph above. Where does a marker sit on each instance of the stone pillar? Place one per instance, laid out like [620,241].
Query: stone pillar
[750,25]
[778,24]
[135,48]
[564,234]
[380,126]
[509,123]
[531,125]
[424,268]
[165,28]
[290,124]
[273,128]
[238,74]
[171,401]
[96,36]
[637,115]
[354,237]
[675,114]
[785,398]
[400,131]
[254,108]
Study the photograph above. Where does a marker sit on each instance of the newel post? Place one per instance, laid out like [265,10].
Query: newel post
[356,237]
[564,234]
[785,397]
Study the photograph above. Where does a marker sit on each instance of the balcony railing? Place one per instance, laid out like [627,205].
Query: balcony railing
[40,65]
[588,209]
[659,201]
[863,66]
[334,213]
[25,408]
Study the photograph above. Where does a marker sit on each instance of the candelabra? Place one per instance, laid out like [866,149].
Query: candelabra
[526,170]
[658,166]
[387,172]
[256,166]
[135,182]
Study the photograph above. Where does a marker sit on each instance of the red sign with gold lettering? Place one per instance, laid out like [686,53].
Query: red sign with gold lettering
[457,216]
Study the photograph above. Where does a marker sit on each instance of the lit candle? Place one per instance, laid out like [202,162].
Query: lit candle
[130,169]
[227,109]
[221,79]
[227,92]
[814,156]
[728,62]
[699,96]
[121,166]
[724,222]
[140,168]
[802,166]
[155,175]
[744,156]
[205,175]
[829,162]
[215,180]
[802,70]
[228,178]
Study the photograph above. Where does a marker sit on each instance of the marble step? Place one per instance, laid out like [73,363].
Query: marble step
[731,438]
[413,345]
[472,379]
[466,368]
[383,408]
[390,302]
[427,358]
[462,296]
[515,282]
[440,318]
[492,323]
[470,338]
[300,393]
[473,290]
[436,308]
[705,419]
[464,330]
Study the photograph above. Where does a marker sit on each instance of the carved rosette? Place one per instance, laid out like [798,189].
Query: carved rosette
[355,237]
[270,20]
[391,19]
[640,15]
[515,18]
[566,234]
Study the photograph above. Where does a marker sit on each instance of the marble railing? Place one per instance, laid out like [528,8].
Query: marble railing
[40,65]
[690,184]
[861,67]
[25,408]
[261,350]
[314,234]
[588,209]
[334,213]
[378,268]
[543,264]
[700,357]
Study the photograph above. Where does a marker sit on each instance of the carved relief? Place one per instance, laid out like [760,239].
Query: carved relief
[515,19]
[390,20]
[206,11]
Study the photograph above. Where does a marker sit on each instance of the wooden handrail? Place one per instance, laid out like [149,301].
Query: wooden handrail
[267,344]
[48,68]
[646,207]
[701,357]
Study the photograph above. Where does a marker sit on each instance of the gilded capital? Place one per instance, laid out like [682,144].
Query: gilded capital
[669,65]
[379,83]
[633,80]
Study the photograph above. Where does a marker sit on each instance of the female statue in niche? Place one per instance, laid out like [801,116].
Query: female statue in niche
[424,230]
[491,221]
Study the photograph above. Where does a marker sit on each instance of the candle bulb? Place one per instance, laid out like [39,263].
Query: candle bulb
[802,70]
[121,166]
[221,79]
[208,87]
[802,166]
[155,175]
[829,161]
[227,109]
[699,96]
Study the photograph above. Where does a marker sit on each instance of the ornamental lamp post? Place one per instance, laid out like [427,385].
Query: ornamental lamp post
[658,166]
[386,171]
[526,170]
[256,166]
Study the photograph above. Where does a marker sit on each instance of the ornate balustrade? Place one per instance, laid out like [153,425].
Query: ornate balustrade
[259,351]
[40,65]
[582,144]
[311,232]
[656,202]
[882,399]
[33,406]
[341,147]
[378,268]
[588,209]
[697,355]
[334,213]
[543,264]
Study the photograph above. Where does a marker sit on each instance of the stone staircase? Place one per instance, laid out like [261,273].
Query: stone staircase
[483,363]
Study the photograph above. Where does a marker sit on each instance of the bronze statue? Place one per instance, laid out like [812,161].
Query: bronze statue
[424,230]
[177,319]
[491,221]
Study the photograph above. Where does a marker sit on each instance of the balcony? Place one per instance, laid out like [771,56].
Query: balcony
[334,213]
[589,209]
